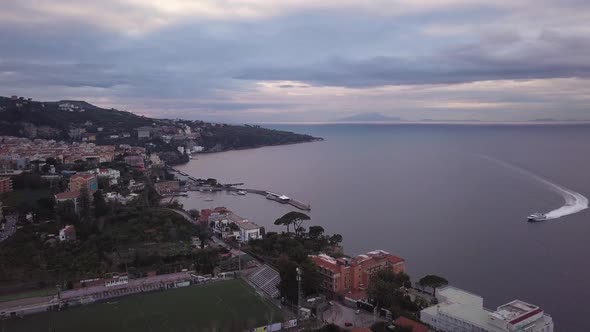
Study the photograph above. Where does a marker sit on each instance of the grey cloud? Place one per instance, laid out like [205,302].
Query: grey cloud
[207,66]
[552,55]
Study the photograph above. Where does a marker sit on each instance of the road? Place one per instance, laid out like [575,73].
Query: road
[340,315]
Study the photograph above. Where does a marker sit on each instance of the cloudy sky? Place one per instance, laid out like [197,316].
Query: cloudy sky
[306,60]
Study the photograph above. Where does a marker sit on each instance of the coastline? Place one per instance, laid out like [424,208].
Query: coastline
[316,139]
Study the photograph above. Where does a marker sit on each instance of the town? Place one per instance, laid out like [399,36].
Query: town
[113,205]
[89,215]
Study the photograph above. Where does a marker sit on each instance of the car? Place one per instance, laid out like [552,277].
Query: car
[331,303]
[358,311]
[348,324]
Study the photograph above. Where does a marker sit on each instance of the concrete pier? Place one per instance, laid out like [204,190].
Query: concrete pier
[193,185]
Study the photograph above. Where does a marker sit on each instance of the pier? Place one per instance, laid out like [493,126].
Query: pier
[194,184]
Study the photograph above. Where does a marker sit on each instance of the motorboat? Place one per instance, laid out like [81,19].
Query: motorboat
[537,217]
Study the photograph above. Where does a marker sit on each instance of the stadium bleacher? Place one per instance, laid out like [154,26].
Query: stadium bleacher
[267,279]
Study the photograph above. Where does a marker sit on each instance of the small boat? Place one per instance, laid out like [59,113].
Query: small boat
[537,217]
[209,200]
[241,192]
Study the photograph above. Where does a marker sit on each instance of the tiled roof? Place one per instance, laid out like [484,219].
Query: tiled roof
[67,195]
[408,323]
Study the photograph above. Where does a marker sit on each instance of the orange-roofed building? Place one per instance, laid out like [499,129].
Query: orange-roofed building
[349,275]
[410,324]
[83,180]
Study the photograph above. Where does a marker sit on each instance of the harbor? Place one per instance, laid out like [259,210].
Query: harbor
[194,184]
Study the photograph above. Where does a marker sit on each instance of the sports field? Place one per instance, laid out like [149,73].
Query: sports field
[223,306]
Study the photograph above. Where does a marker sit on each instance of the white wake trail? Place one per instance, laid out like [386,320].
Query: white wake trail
[574,201]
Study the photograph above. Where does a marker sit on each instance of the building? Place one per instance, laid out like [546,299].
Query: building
[83,180]
[144,132]
[407,323]
[135,186]
[155,159]
[117,280]
[167,187]
[88,137]
[68,196]
[135,161]
[229,225]
[67,233]
[5,185]
[248,231]
[108,173]
[344,275]
[461,311]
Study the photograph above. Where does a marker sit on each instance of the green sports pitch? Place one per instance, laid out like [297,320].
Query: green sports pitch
[222,306]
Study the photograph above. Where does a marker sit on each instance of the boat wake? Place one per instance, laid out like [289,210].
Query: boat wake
[574,201]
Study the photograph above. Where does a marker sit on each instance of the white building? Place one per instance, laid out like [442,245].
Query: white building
[247,229]
[461,311]
[112,174]
[232,225]
[116,281]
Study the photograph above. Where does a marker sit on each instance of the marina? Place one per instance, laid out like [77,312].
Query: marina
[194,184]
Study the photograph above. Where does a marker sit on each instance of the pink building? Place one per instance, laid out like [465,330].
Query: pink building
[353,274]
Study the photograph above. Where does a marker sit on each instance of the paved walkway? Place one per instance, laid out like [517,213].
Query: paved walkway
[340,315]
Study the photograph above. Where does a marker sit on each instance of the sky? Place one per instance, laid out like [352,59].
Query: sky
[255,61]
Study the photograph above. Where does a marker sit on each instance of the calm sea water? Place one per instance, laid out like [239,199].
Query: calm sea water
[424,192]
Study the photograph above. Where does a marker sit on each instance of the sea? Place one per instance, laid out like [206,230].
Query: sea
[451,199]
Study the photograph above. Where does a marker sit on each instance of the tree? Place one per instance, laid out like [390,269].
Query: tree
[84,203]
[66,213]
[194,213]
[100,205]
[293,218]
[203,234]
[315,232]
[433,281]
[335,239]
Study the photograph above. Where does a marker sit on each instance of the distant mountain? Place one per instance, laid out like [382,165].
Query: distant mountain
[370,117]
[545,120]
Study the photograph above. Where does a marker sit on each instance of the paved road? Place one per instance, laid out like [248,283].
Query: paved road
[340,315]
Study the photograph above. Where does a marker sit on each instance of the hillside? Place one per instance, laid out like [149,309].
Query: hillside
[68,119]
[20,117]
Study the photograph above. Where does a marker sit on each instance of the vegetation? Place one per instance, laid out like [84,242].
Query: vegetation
[288,251]
[386,291]
[35,119]
[227,137]
[139,237]
[225,306]
[293,218]
[46,120]
[38,201]
[432,281]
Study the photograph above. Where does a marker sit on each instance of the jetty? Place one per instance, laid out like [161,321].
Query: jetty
[194,184]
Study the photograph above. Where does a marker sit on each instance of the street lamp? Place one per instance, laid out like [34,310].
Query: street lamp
[298,270]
